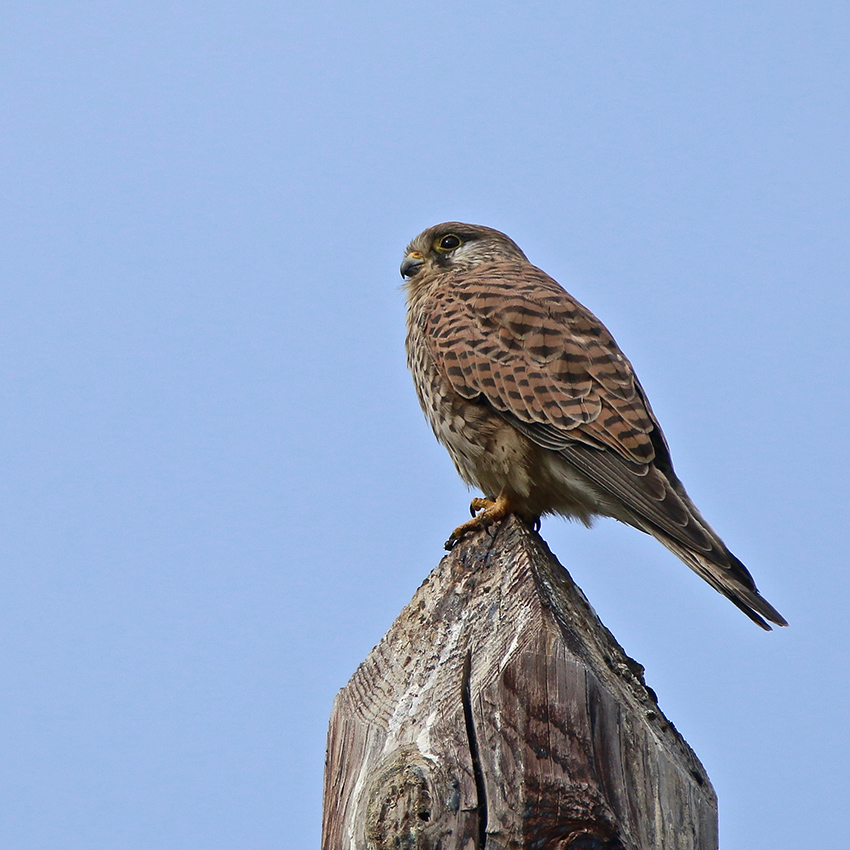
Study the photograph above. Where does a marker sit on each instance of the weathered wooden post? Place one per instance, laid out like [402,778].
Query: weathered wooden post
[499,712]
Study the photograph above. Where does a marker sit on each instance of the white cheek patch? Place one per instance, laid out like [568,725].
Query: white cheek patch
[466,254]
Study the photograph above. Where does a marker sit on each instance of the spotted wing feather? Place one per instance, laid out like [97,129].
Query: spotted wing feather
[512,335]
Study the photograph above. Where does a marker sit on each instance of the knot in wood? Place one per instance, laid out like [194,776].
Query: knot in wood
[399,804]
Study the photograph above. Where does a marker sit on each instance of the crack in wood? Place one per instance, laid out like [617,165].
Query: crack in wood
[472,737]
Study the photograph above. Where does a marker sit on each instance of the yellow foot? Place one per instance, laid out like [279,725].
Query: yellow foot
[490,512]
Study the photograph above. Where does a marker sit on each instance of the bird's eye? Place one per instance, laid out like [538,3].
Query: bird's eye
[448,243]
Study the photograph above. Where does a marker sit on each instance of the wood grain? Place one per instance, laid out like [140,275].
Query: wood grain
[498,712]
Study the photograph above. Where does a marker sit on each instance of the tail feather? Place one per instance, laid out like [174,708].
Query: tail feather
[732,580]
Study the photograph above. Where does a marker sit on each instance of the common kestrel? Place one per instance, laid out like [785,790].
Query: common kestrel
[539,408]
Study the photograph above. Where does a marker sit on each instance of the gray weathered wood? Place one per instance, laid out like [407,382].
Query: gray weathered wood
[498,711]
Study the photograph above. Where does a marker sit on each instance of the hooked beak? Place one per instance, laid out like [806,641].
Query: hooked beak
[411,264]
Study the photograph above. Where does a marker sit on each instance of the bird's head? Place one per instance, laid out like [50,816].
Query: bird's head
[453,246]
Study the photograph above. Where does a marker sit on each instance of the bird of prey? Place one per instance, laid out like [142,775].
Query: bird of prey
[540,409]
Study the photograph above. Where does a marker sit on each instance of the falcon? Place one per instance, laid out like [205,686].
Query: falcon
[540,409]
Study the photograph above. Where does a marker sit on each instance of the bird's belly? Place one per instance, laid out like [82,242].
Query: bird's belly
[489,453]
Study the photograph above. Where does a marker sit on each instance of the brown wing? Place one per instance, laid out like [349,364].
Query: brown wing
[510,334]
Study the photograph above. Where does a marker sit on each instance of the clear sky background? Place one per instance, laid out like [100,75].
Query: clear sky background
[217,487]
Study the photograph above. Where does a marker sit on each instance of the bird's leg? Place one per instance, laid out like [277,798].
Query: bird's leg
[490,512]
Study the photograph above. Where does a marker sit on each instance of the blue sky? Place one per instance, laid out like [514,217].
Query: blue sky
[218,489]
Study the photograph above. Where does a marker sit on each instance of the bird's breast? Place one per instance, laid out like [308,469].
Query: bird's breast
[487,452]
